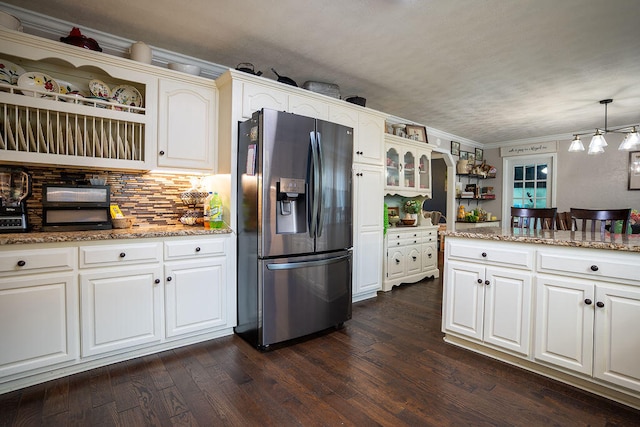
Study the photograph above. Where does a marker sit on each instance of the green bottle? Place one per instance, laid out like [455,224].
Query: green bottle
[215,216]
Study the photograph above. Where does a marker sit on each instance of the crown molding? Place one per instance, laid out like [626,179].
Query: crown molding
[53,28]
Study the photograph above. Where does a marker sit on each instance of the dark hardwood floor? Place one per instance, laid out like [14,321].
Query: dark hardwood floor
[388,366]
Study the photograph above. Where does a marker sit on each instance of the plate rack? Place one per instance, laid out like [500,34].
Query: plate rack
[79,127]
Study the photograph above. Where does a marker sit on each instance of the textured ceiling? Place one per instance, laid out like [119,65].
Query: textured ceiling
[487,70]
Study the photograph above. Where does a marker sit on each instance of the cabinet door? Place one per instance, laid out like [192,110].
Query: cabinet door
[309,107]
[368,230]
[256,97]
[395,263]
[507,315]
[120,308]
[409,175]
[463,299]
[195,295]
[424,172]
[617,336]
[40,322]
[413,260]
[186,125]
[564,323]
[429,257]
[370,140]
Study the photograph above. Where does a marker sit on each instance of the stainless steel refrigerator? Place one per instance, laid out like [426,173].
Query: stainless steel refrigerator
[294,226]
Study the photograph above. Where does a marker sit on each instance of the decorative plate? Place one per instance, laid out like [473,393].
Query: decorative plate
[38,81]
[100,89]
[9,72]
[67,88]
[127,95]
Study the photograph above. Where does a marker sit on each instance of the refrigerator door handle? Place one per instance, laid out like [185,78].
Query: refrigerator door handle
[319,194]
[313,215]
[304,264]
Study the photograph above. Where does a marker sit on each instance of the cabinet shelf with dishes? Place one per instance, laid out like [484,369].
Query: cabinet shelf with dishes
[408,167]
[471,188]
[48,114]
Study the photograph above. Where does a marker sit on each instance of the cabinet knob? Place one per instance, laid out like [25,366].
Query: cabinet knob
[486,282]
[122,255]
[397,261]
[600,304]
[414,258]
[169,279]
[588,301]
[594,268]
[484,254]
[430,255]
[156,281]
[198,249]
[161,153]
[22,263]
[480,281]
[398,244]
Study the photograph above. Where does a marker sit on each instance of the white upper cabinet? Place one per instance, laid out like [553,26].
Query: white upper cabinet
[187,131]
[256,97]
[408,167]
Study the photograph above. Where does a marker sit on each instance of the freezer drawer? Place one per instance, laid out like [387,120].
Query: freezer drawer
[303,296]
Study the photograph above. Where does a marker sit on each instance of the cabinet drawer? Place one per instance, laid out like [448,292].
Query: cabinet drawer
[106,255]
[503,254]
[191,248]
[38,260]
[601,266]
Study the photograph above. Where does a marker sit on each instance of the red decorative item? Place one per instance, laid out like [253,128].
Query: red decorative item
[76,38]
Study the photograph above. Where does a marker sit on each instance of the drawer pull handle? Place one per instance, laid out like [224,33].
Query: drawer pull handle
[484,254]
[22,263]
[594,268]
[588,301]
[486,282]
[169,279]
[122,255]
[198,249]
[156,281]
[480,281]
[397,261]
[600,304]
[415,241]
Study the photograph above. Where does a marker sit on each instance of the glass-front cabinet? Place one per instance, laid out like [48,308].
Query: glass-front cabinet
[408,167]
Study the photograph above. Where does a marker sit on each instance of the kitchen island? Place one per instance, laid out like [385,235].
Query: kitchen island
[560,303]
[77,300]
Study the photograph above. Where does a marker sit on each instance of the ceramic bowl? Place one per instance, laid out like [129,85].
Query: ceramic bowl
[184,68]
[408,221]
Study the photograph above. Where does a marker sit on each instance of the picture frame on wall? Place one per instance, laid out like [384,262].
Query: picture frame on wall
[471,157]
[417,133]
[634,170]
[464,155]
[479,155]
[455,148]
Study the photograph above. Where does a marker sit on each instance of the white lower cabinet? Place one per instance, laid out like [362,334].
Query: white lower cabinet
[367,231]
[489,304]
[589,328]
[120,308]
[411,255]
[196,286]
[40,322]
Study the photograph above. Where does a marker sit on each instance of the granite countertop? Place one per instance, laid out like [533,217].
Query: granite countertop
[578,239]
[137,232]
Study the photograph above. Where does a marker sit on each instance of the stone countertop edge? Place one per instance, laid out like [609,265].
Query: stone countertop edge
[577,239]
[95,235]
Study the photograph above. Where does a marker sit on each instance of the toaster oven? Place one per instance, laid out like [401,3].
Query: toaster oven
[75,207]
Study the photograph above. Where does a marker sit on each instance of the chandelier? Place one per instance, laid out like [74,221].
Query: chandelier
[631,140]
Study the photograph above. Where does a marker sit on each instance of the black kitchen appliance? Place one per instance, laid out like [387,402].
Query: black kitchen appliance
[15,189]
[76,207]
[294,226]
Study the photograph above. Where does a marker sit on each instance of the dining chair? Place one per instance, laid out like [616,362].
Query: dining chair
[605,216]
[544,218]
[564,221]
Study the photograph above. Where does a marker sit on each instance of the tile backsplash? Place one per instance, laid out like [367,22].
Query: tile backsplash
[152,198]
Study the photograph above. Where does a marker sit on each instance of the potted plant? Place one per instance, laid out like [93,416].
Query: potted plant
[411,209]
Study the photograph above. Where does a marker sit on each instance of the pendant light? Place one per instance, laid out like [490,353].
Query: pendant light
[598,143]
